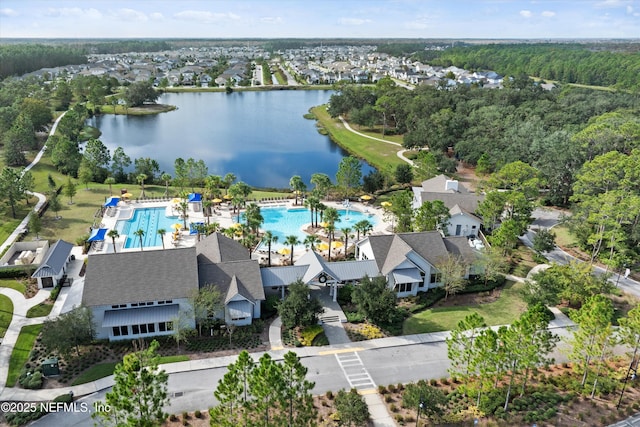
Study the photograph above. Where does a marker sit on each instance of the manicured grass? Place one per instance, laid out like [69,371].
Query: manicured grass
[13,284]
[102,370]
[376,132]
[378,154]
[21,351]
[501,312]
[564,238]
[7,227]
[6,314]
[40,310]
[95,372]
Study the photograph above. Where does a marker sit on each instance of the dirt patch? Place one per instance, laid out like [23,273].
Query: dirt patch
[467,174]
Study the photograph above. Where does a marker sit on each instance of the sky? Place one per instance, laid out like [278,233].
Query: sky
[476,19]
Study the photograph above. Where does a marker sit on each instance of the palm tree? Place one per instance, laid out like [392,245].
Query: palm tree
[311,241]
[113,233]
[166,178]
[206,206]
[292,240]
[110,181]
[269,238]
[320,207]
[141,178]
[140,233]
[345,234]
[330,230]
[253,217]
[363,226]
[161,232]
[227,181]
[331,216]
[297,185]
[183,208]
[213,184]
[312,203]
[229,232]
[213,227]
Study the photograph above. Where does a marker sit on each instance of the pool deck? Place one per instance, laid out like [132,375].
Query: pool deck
[223,216]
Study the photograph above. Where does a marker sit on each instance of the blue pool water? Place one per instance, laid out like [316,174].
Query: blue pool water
[150,220]
[283,222]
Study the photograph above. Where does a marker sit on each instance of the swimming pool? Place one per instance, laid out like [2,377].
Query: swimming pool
[283,222]
[150,220]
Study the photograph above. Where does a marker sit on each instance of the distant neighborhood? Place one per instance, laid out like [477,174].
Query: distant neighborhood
[242,66]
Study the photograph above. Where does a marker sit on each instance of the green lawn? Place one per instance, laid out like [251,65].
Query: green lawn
[6,313]
[40,310]
[95,372]
[21,351]
[501,312]
[564,238]
[13,284]
[378,154]
[102,370]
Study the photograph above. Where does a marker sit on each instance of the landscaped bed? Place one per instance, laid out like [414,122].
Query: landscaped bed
[551,399]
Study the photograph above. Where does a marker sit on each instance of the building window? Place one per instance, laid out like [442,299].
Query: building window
[162,327]
[435,277]
[135,330]
[403,287]
[363,256]
[151,327]
[143,329]
[134,304]
[120,330]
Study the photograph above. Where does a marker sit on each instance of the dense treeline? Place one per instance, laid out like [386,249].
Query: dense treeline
[122,46]
[550,130]
[567,63]
[19,59]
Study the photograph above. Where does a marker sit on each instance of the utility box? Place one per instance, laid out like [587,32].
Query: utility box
[50,367]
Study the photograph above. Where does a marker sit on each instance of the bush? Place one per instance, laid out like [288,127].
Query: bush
[354,317]
[344,294]
[31,379]
[270,306]
[308,334]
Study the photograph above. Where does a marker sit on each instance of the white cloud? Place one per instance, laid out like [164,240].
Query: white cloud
[612,3]
[526,13]
[205,16]
[130,15]
[74,12]
[8,12]
[271,20]
[548,13]
[354,21]
[156,16]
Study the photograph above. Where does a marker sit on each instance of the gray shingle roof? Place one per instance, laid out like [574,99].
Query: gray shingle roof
[354,270]
[139,276]
[391,250]
[437,184]
[468,201]
[247,277]
[429,245]
[459,245]
[219,248]
[55,260]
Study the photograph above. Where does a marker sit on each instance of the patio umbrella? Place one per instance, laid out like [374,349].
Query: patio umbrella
[227,196]
[323,246]
[216,200]
[323,224]
[284,251]
[336,245]
[366,197]
[176,200]
[385,204]
[176,226]
[127,195]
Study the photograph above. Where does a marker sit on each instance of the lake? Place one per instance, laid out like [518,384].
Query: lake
[261,137]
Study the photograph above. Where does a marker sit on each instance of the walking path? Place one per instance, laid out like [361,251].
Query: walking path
[41,197]
[400,153]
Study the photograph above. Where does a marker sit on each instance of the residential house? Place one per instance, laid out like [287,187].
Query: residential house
[461,203]
[409,260]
